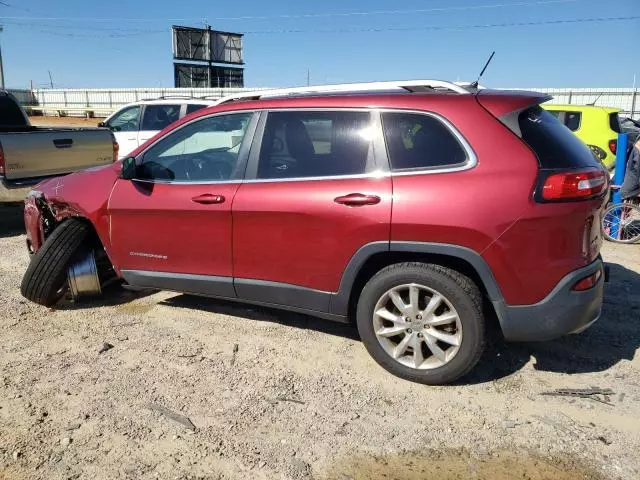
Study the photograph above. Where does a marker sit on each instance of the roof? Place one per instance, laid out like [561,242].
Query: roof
[174,100]
[574,107]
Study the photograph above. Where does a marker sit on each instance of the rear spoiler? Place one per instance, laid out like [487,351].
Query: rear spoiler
[501,102]
[506,105]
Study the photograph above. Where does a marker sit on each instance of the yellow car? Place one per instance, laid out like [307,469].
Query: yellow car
[598,127]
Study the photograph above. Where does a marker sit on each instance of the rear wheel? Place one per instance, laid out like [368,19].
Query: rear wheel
[621,223]
[422,322]
[45,280]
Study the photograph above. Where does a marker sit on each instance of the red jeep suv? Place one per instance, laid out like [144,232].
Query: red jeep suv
[414,209]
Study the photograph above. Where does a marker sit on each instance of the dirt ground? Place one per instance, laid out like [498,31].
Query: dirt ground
[274,395]
[48,121]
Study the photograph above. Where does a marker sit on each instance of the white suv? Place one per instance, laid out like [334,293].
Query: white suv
[137,122]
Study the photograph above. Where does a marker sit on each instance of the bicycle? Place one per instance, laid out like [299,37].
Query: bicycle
[621,221]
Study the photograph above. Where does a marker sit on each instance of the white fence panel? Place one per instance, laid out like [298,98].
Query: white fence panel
[102,101]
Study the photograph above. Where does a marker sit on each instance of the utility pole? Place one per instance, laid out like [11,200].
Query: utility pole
[308,77]
[209,55]
[50,79]
[1,65]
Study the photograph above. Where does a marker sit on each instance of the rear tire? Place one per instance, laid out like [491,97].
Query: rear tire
[45,280]
[625,218]
[446,339]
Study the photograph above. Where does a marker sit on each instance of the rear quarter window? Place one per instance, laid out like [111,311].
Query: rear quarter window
[554,145]
[614,122]
[418,141]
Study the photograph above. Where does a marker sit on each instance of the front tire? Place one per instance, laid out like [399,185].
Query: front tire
[45,280]
[422,322]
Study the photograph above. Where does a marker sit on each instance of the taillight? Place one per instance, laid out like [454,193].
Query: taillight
[613,146]
[1,160]
[573,185]
[116,148]
[587,282]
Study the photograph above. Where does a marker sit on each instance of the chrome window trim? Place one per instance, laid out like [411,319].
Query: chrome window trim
[183,182]
[374,174]
[472,159]
[252,126]
[377,144]
[471,162]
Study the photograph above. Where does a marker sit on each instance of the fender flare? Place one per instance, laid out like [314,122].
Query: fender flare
[340,300]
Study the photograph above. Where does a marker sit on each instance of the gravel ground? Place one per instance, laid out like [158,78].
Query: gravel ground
[275,395]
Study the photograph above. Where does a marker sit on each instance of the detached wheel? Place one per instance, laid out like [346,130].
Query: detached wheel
[422,322]
[45,280]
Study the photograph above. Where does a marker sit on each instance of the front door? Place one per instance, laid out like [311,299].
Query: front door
[171,227]
[157,117]
[315,193]
[125,125]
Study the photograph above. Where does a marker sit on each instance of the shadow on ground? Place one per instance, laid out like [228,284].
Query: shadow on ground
[11,219]
[264,314]
[616,336]
[112,296]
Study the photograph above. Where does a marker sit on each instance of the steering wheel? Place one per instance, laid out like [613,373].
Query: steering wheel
[201,167]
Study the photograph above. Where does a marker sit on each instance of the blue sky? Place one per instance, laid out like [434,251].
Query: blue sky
[127,43]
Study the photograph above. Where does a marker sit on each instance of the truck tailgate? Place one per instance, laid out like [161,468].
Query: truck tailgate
[45,152]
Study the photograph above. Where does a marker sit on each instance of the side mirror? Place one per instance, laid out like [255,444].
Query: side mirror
[102,124]
[129,169]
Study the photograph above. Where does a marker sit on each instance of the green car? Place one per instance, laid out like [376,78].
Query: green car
[598,127]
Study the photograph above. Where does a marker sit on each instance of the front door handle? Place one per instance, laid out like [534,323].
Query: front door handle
[357,200]
[208,199]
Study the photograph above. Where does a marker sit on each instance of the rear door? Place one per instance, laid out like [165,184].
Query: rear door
[315,193]
[156,118]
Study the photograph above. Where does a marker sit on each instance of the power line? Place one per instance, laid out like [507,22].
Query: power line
[126,33]
[539,3]
[443,27]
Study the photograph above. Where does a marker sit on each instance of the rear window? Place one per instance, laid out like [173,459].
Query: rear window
[10,113]
[614,122]
[554,145]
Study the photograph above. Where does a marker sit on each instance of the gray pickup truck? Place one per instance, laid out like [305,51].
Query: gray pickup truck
[30,154]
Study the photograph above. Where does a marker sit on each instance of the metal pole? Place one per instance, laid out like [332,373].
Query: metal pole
[1,66]
[618,176]
[209,55]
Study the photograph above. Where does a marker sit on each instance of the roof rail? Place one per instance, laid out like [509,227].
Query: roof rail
[170,97]
[404,85]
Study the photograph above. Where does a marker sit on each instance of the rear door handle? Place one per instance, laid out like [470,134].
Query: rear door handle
[63,143]
[357,200]
[208,199]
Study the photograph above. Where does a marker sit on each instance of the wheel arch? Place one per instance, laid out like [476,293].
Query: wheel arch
[372,257]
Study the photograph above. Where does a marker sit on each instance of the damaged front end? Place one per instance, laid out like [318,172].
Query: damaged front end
[90,269]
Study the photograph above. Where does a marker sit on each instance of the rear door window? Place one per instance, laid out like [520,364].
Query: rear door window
[553,144]
[157,117]
[572,120]
[193,107]
[417,141]
[307,144]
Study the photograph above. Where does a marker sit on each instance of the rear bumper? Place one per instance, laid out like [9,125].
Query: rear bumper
[563,311]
